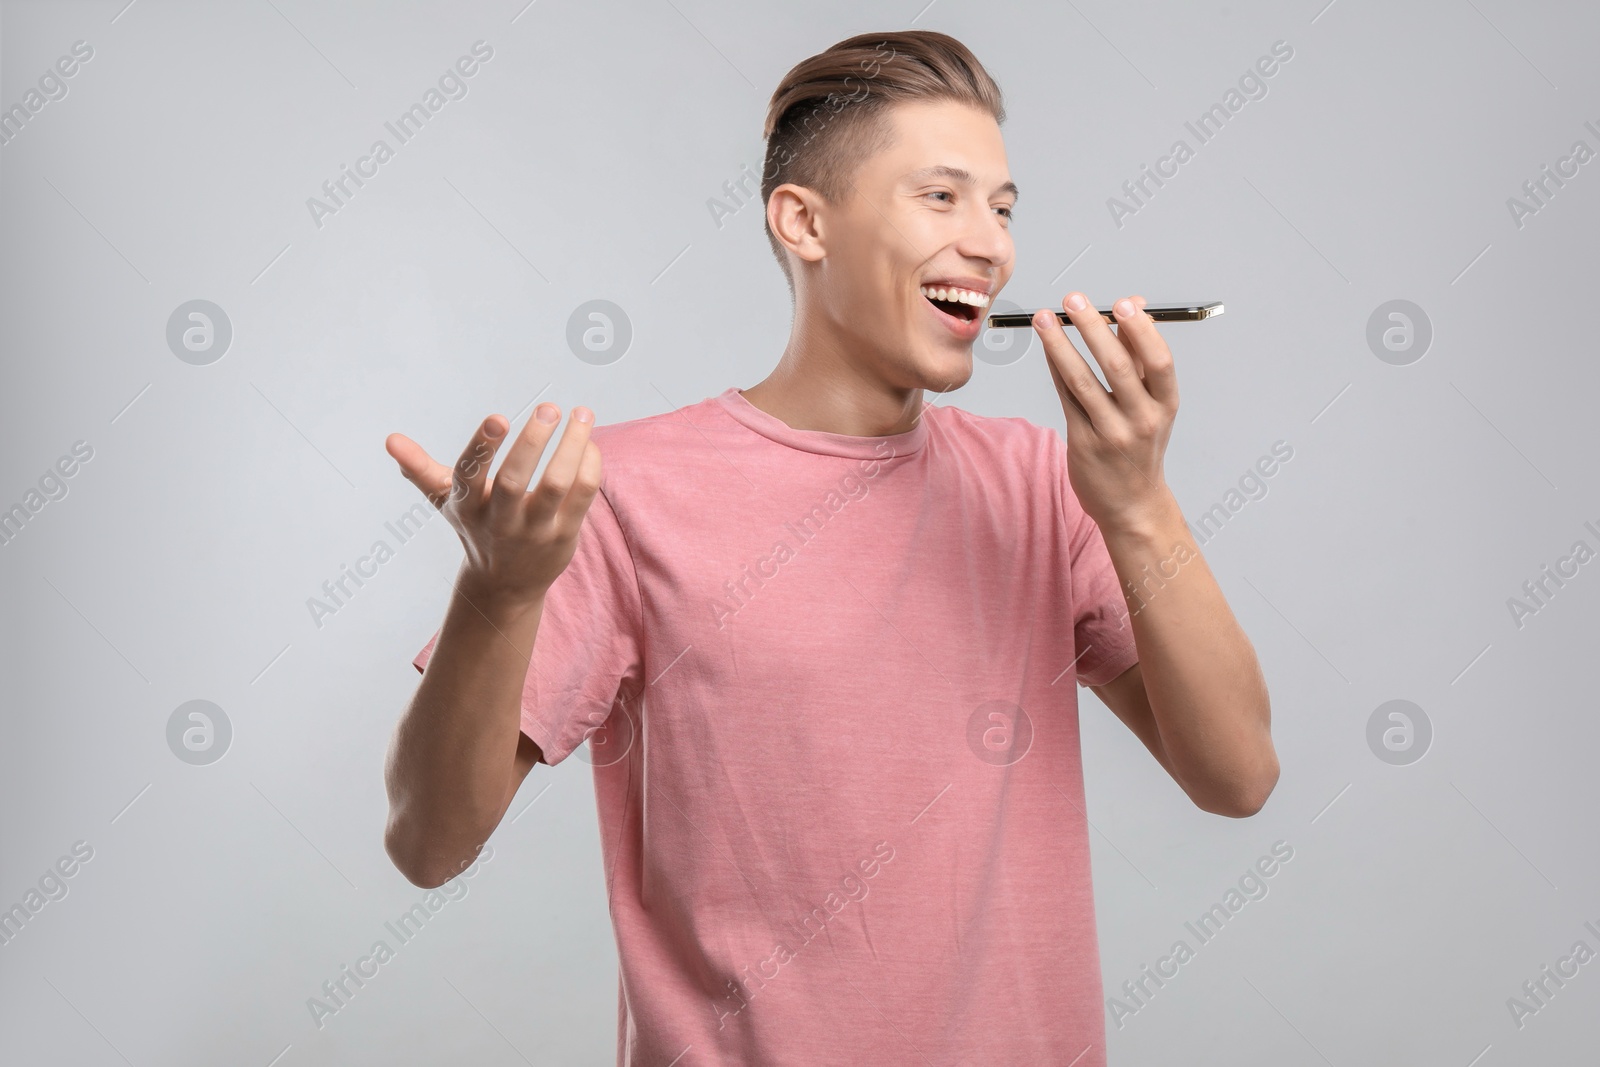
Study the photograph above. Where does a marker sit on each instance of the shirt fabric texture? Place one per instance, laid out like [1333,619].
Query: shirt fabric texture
[829,685]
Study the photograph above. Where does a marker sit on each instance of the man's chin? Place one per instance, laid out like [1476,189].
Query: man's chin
[945,370]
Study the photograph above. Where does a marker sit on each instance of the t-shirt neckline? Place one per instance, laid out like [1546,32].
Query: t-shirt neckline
[821,441]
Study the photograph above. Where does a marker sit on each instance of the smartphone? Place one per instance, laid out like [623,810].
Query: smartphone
[1165,313]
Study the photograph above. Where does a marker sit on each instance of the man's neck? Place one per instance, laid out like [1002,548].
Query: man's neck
[814,387]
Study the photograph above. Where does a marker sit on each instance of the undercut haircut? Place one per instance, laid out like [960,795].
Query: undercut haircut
[830,112]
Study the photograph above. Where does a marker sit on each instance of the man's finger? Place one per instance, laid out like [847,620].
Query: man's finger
[585,484]
[562,469]
[1122,373]
[419,468]
[1139,302]
[1074,380]
[470,476]
[511,480]
[1076,413]
[1140,337]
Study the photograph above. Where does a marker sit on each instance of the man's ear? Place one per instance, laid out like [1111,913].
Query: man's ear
[795,215]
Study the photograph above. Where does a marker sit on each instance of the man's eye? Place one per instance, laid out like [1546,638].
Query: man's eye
[940,192]
[1006,211]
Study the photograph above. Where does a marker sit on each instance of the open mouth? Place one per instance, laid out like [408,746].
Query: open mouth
[964,304]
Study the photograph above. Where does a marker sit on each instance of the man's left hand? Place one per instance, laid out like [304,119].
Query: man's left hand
[1115,438]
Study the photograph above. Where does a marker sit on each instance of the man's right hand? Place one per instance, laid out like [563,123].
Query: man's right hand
[517,543]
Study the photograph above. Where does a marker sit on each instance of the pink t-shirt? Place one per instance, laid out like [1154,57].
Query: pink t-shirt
[839,784]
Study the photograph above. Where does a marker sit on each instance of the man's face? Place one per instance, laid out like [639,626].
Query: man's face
[915,221]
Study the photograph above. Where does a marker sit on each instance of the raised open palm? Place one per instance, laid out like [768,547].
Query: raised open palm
[517,542]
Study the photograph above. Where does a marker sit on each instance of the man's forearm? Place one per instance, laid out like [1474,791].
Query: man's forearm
[451,758]
[1201,675]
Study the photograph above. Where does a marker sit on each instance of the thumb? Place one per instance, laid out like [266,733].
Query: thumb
[419,468]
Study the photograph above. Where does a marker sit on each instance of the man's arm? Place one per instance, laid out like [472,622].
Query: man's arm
[1126,697]
[1196,698]
[458,754]
[527,755]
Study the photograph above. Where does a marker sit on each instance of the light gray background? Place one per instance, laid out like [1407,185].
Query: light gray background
[1378,566]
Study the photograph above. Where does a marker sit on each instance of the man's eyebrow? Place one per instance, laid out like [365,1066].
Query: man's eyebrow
[956,174]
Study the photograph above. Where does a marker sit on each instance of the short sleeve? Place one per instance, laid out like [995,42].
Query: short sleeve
[1102,634]
[588,653]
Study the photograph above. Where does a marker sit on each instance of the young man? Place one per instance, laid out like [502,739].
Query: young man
[832,632]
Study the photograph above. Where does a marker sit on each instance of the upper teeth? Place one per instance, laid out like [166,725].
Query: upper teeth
[960,296]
